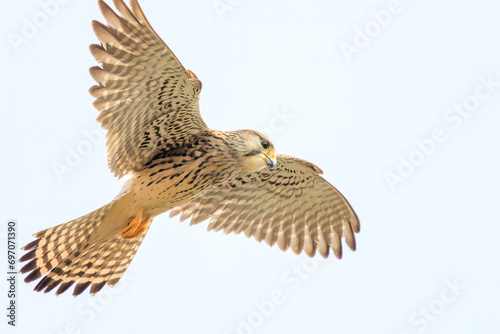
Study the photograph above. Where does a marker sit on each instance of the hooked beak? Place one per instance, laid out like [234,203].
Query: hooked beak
[271,160]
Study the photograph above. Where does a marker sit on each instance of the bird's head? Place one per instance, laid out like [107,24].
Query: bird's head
[255,151]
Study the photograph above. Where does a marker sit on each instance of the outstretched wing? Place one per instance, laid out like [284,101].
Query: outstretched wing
[145,96]
[290,204]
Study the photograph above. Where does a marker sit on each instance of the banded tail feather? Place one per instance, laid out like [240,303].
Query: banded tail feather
[72,253]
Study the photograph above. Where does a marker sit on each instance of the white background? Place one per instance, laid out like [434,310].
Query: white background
[356,117]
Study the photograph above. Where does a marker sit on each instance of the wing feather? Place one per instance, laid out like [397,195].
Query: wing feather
[290,205]
[144,94]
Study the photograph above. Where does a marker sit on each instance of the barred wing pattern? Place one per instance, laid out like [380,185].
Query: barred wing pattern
[145,96]
[290,204]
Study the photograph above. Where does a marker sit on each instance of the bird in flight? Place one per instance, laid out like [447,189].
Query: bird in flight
[148,104]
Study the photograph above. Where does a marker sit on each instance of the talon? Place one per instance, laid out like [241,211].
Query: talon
[136,226]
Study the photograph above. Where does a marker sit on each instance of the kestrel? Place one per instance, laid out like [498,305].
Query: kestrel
[148,104]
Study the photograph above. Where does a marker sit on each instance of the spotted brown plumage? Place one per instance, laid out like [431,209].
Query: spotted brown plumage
[142,89]
[290,204]
[148,104]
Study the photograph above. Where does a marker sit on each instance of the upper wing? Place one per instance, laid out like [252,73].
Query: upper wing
[146,98]
[290,204]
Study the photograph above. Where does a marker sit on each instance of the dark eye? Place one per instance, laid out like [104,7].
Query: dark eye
[264,144]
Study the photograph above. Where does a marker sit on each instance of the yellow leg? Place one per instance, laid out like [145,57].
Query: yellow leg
[136,226]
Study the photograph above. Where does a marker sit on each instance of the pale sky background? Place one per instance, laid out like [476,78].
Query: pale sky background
[427,257]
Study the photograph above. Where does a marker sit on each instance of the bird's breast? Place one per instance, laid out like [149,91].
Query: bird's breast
[173,181]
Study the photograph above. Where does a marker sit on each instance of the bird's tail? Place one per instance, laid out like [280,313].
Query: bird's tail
[70,252]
